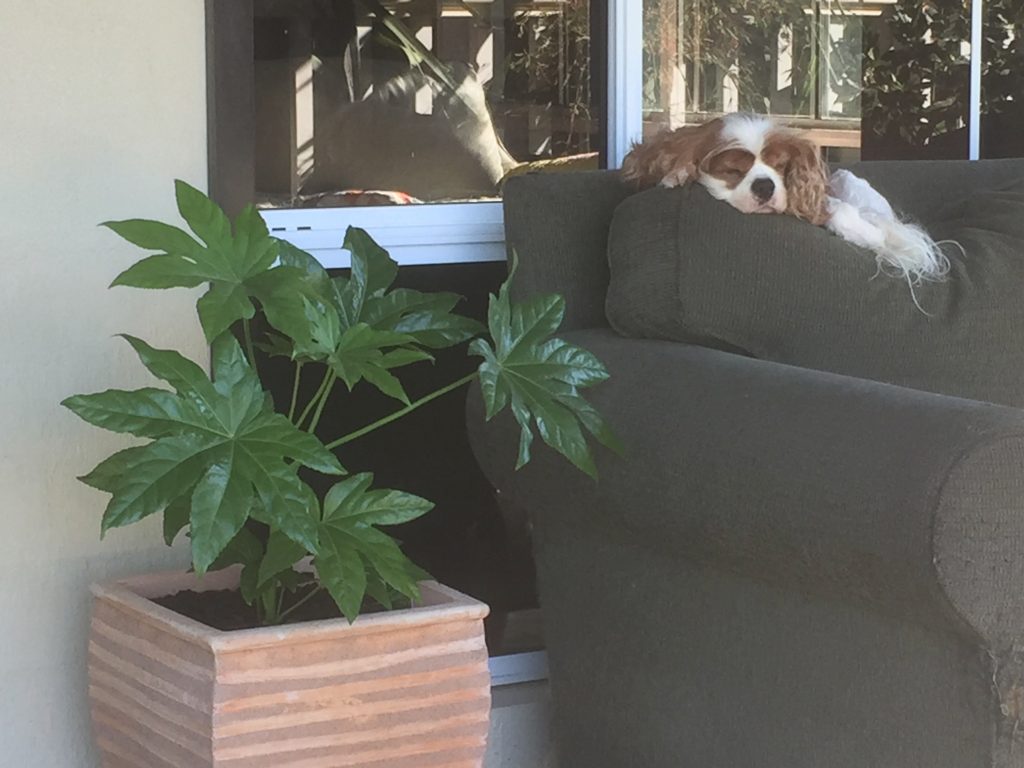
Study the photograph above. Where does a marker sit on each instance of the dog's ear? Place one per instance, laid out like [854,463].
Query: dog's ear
[806,179]
[673,157]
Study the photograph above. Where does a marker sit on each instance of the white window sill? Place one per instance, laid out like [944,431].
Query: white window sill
[515,668]
[443,233]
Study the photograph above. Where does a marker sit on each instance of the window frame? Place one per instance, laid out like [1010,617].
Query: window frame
[436,233]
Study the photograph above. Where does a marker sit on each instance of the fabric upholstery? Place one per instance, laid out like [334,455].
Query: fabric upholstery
[759,569]
[789,567]
[690,268]
[557,224]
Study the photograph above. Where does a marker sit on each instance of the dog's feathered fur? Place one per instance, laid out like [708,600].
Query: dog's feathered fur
[758,166]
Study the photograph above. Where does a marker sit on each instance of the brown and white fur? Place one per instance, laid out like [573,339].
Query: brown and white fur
[758,166]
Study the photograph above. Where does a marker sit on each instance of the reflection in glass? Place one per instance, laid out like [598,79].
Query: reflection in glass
[1002,85]
[799,60]
[871,78]
[917,80]
[396,101]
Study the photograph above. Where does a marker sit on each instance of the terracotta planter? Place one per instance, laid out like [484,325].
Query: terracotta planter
[403,689]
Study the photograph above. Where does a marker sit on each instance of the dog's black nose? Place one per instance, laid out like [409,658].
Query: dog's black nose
[763,189]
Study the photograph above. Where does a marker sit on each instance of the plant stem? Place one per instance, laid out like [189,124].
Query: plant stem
[302,601]
[250,350]
[295,392]
[266,608]
[315,399]
[401,412]
[331,378]
[279,603]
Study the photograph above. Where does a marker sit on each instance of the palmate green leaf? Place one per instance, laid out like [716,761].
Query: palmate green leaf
[237,262]
[203,216]
[285,502]
[312,270]
[385,558]
[352,502]
[163,271]
[340,569]
[218,444]
[365,296]
[147,412]
[373,271]
[176,517]
[180,263]
[187,378]
[244,549]
[323,332]
[426,317]
[437,330]
[107,474]
[155,477]
[276,345]
[355,324]
[530,323]
[354,556]
[363,352]
[540,378]
[220,506]
[222,306]
[283,293]
[282,554]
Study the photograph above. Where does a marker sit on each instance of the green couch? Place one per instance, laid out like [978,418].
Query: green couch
[812,553]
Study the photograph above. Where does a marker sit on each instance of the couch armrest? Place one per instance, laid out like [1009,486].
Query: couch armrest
[922,188]
[558,225]
[687,267]
[901,501]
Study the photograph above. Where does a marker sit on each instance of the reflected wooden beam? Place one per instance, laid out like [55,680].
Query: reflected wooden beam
[230,103]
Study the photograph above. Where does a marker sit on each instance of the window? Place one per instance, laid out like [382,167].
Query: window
[868,78]
[400,103]
[1002,79]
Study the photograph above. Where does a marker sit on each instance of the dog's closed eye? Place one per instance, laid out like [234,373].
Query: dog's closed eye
[759,167]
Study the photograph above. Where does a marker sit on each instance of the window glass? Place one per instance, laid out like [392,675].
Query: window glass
[1002,87]
[917,80]
[871,78]
[370,102]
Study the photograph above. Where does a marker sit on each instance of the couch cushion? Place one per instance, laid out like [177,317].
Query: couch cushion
[687,267]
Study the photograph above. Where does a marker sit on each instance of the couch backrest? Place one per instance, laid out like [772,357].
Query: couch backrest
[921,188]
[686,267]
[558,225]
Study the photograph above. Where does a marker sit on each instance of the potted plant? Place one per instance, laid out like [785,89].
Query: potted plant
[292,673]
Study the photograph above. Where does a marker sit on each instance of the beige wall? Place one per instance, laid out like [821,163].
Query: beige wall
[103,105]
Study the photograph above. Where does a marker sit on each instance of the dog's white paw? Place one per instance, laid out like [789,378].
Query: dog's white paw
[674,179]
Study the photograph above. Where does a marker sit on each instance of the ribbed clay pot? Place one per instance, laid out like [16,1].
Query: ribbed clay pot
[400,689]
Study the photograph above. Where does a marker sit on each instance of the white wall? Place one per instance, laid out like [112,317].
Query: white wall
[102,105]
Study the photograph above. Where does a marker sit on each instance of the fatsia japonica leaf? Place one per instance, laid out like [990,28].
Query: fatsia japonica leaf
[540,378]
[238,263]
[363,352]
[218,448]
[366,297]
[354,556]
[244,549]
[372,273]
[176,516]
[426,317]
[281,555]
[361,328]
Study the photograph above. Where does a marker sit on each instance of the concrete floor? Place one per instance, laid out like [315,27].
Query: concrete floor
[520,735]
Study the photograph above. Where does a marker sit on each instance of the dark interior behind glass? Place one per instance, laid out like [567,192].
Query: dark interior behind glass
[369,102]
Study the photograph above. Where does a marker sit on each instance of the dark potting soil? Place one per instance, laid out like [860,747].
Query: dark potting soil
[225,609]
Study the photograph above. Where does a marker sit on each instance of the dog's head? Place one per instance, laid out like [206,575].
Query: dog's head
[746,160]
